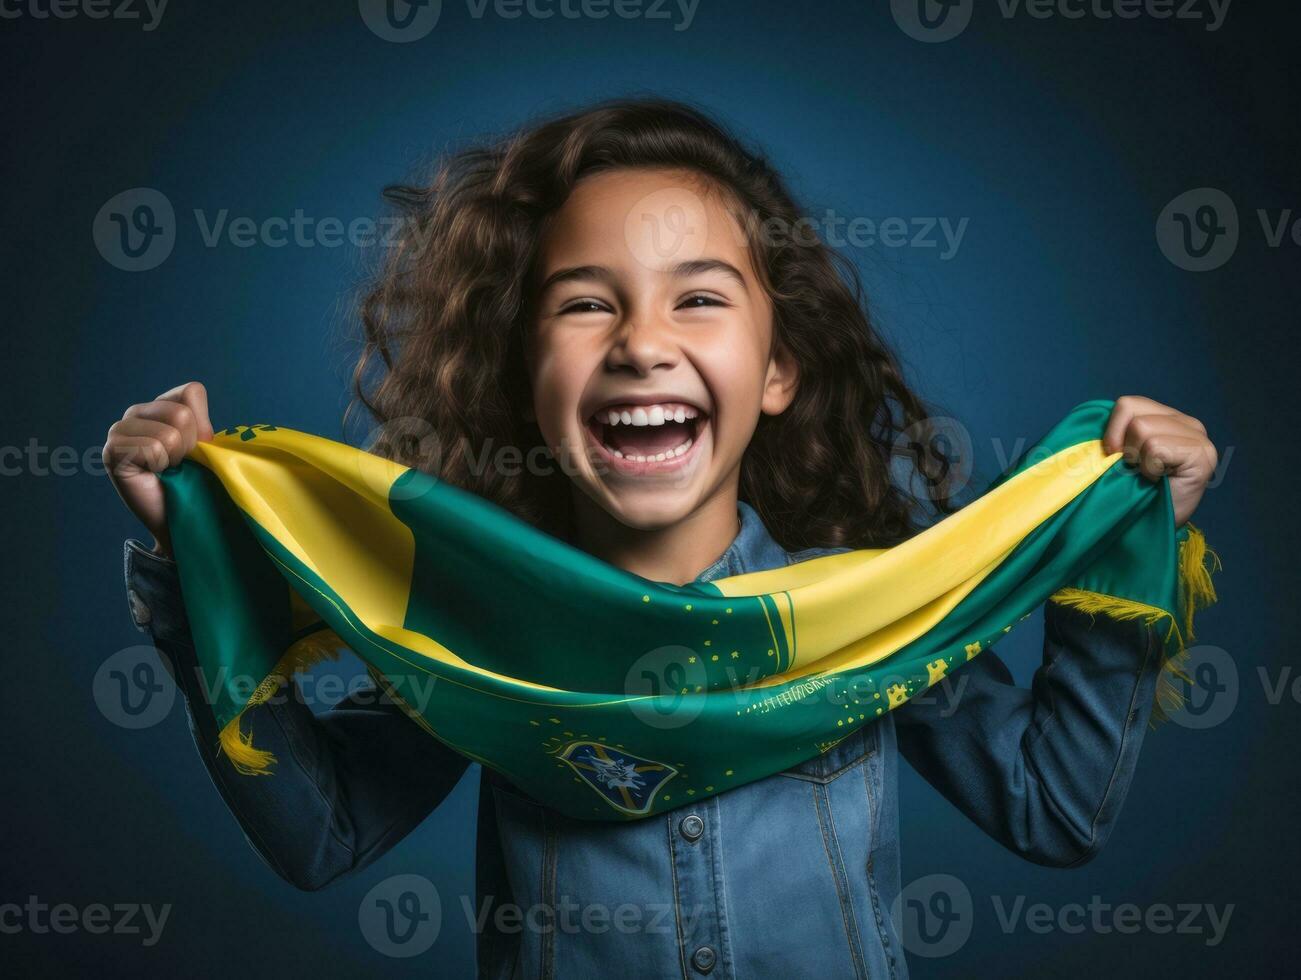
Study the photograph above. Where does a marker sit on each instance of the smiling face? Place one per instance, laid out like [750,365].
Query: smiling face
[652,354]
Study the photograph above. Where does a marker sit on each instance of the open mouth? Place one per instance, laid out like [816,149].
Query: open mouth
[649,436]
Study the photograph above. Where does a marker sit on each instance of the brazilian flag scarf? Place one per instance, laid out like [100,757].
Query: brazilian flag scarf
[608,696]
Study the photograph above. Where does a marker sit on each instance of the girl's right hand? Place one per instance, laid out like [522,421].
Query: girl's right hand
[149,438]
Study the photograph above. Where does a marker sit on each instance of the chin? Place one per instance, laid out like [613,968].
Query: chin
[644,511]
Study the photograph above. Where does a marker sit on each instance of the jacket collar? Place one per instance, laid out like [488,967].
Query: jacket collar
[752,550]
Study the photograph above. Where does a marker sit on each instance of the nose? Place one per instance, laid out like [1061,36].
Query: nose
[642,343]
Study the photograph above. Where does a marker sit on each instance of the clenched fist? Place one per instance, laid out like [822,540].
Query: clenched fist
[149,438]
[1163,441]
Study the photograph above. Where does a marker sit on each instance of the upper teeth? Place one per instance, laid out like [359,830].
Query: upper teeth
[646,414]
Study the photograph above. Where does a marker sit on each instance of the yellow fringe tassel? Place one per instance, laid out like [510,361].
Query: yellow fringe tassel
[237,745]
[1195,577]
[1196,591]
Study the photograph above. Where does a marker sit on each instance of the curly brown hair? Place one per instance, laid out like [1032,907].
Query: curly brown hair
[442,367]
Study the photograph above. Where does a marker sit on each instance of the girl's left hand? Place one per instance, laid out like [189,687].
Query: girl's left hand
[1161,440]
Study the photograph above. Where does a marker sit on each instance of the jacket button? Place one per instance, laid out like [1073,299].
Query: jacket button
[703,959]
[692,827]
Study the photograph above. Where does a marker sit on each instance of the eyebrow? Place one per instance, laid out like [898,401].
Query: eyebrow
[682,270]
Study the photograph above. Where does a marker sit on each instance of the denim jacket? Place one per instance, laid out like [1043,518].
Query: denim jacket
[793,875]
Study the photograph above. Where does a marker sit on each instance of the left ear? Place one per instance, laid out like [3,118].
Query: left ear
[781,381]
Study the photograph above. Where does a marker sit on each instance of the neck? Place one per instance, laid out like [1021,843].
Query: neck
[675,554]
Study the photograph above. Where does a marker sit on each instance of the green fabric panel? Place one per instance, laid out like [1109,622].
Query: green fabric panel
[236,599]
[513,600]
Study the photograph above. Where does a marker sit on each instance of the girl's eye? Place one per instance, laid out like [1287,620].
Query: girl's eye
[694,302]
[700,300]
[584,306]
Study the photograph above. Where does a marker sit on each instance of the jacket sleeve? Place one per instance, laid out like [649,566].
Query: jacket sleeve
[348,784]
[1043,771]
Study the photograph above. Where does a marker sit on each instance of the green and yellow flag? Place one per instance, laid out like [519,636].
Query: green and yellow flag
[608,696]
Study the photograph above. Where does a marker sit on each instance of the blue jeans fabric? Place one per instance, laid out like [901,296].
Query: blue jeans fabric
[793,875]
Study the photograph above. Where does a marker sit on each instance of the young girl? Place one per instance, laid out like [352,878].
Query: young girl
[633,290]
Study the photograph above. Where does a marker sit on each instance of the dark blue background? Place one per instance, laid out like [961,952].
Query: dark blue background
[1061,141]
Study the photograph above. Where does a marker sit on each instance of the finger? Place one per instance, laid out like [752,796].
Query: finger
[168,449]
[193,395]
[1127,408]
[176,414]
[1188,455]
[130,455]
[1171,453]
[1137,435]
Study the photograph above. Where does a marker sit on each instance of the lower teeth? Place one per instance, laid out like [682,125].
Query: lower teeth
[658,457]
